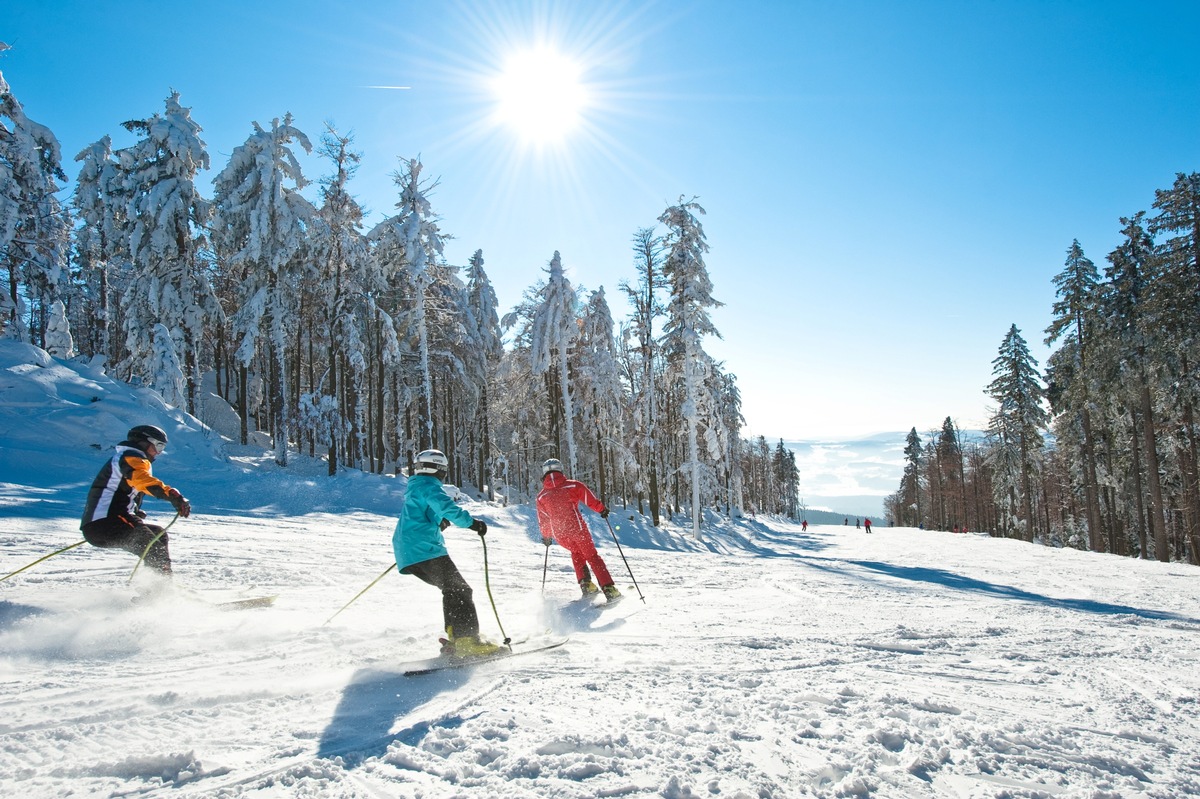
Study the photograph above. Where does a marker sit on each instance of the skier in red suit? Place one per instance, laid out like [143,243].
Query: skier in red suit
[560,520]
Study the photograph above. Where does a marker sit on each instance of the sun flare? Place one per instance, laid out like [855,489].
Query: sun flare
[540,95]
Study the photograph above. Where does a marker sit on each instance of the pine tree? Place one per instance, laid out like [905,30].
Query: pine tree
[1179,297]
[165,218]
[341,285]
[98,207]
[600,396]
[260,228]
[489,349]
[1073,314]
[406,246]
[688,322]
[644,299]
[1133,334]
[553,332]
[1019,420]
[33,224]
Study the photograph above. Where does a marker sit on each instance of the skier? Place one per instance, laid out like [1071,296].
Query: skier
[867,524]
[560,520]
[421,551]
[113,517]
[804,525]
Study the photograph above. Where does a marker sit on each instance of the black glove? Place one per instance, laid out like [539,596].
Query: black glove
[545,541]
[181,505]
[604,513]
[443,524]
[479,527]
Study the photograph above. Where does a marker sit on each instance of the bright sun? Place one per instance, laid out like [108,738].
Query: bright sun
[540,96]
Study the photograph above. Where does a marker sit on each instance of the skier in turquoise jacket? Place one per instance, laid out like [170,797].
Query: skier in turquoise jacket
[421,551]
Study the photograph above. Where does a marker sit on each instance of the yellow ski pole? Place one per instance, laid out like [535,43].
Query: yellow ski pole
[153,541]
[360,593]
[39,560]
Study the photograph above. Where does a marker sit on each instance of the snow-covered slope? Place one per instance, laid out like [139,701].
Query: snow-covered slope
[764,662]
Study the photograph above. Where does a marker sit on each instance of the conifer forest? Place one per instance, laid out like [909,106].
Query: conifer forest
[362,345]
[1099,451]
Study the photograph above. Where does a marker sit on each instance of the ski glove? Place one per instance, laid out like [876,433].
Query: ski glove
[180,503]
[546,542]
[479,527]
[604,513]
[443,524]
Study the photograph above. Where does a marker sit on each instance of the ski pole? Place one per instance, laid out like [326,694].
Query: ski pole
[618,543]
[488,585]
[39,560]
[360,593]
[153,541]
[545,566]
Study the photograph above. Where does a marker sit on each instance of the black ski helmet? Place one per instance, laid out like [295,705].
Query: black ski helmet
[148,433]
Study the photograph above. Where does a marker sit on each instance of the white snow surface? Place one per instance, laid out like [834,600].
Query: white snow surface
[764,661]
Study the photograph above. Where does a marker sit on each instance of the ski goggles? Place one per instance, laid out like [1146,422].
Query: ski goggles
[161,446]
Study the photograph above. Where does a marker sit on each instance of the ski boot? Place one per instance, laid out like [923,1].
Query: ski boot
[611,594]
[588,587]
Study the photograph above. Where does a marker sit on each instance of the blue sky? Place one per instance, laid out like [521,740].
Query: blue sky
[889,186]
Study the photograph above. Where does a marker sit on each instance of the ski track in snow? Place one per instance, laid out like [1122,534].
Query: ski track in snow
[827,663]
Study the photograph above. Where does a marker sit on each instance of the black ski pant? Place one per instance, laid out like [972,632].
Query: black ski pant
[119,533]
[458,606]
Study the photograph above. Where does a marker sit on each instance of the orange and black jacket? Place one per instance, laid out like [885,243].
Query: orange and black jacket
[117,491]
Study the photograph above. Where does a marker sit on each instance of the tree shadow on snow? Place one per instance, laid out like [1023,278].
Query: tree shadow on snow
[961,583]
[372,701]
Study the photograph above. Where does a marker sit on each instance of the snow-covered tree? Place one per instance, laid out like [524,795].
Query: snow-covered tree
[260,229]
[601,398]
[688,321]
[1018,422]
[553,332]
[58,332]
[644,299]
[488,349]
[341,285]
[1074,315]
[406,246]
[33,224]
[166,376]
[166,218]
[100,210]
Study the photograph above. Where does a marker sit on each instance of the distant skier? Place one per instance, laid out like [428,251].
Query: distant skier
[804,525]
[421,551]
[858,524]
[113,517]
[560,520]
[867,524]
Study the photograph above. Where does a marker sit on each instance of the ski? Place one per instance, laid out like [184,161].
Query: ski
[253,602]
[444,662]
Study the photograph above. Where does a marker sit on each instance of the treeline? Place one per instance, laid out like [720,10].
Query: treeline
[363,345]
[1101,451]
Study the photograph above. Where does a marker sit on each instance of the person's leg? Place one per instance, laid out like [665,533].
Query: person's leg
[458,604]
[117,534]
[587,550]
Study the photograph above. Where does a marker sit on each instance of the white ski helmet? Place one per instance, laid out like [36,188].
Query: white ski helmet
[431,461]
[552,465]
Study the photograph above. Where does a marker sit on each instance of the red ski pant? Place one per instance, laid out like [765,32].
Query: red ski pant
[584,554]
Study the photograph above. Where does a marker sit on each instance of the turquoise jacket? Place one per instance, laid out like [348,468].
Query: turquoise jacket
[418,537]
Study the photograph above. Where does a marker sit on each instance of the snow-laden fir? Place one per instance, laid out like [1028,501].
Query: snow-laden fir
[764,662]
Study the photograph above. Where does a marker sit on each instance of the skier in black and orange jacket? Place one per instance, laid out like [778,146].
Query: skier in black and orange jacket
[113,517]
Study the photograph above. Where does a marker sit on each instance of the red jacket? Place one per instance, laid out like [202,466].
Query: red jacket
[558,509]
